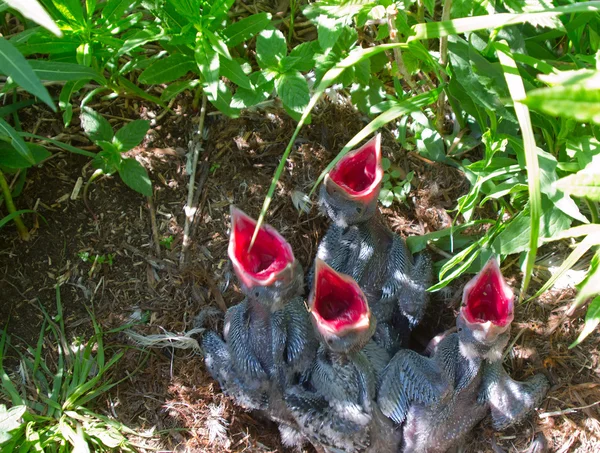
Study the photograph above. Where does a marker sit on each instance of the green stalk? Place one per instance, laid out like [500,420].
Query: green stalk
[10,206]
[443,63]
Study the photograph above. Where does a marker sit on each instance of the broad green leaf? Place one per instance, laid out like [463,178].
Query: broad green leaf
[14,65]
[64,99]
[585,183]
[189,9]
[223,101]
[592,319]
[167,69]
[131,135]
[60,71]
[270,48]
[329,31]
[137,40]
[47,43]
[292,88]
[114,9]
[177,87]
[243,98]
[463,25]
[208,64]
[571,101]
[10,158]
[517,91]
[232,70]
[219,8]
[244,29]
[217,44]
[301,58]
[10,419]
[135,176]
[479,88]
[18,143]
[31,9]
[96,126]
[71,10]
[132,88]
[590,286]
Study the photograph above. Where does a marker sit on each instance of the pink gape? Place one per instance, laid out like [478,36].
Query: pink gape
[269,255]
[488,297]
[359,173]
[337,303]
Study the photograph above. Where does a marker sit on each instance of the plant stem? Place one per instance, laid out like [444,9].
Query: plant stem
[197,94]
[10,206]
[397,52]
[190,208]
[593,210]
[443,62]
[292,14]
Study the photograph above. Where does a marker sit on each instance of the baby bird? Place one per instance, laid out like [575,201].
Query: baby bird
[268,340]
[440,399]
[334,406]
[359,244]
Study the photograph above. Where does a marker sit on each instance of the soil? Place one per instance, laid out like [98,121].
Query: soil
[170,395]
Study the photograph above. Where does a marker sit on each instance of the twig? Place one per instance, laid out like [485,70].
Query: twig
[154,228]
[153,261]
[397,52]
[189,208]
[567,411]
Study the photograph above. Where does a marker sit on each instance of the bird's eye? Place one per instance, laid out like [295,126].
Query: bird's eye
[256,293]
[460,329]
[358,209]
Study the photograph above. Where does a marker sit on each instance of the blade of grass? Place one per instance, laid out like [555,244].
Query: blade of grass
[467,24]
[517,91]
[330,76]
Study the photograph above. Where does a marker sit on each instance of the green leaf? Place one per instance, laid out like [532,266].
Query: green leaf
[59,71]
[590,286]
[270,48]
[167,69]
[301,58]
[329,31]
[64,99]
[220,8]
[177,87]
[96,126]
[71,10]
[131,135]
[592,238]
[232,70]
[31,9]
[244,29]
[292,88]
[571,101]
[592,319]
[585,183]
[10,420]
[10,158]
[208,64]
[217,44]
[135,176]
[463,25]
[114,9]
[14,65]
[17,142]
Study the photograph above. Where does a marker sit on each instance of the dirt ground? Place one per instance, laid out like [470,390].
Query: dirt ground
[172,396]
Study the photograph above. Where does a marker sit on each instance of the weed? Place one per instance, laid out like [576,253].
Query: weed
[51,395]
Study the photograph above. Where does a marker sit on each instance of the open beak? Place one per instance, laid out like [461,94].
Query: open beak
[488,302]
[358,175]
[337,304]
[271,258]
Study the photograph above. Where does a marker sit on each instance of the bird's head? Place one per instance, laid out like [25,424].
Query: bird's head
[486,312]
[268,270]
[350,190]
[339,310]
